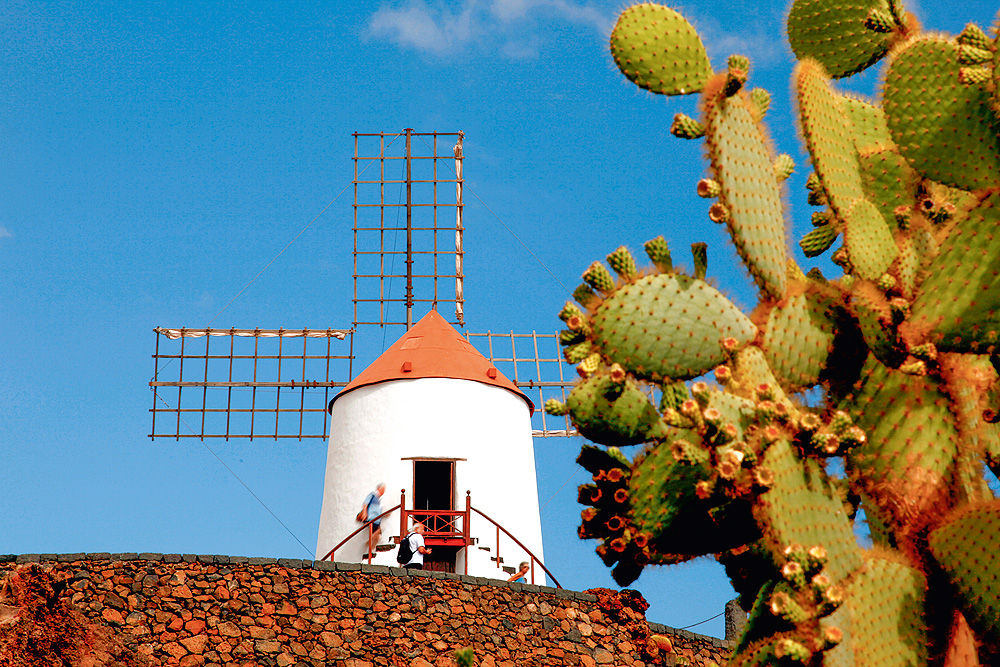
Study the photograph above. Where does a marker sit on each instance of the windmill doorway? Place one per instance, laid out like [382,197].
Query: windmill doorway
[433,505]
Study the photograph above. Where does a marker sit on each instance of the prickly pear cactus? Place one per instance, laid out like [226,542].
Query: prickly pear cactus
[903,349]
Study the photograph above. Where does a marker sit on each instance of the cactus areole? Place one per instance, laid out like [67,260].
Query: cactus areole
[902,348]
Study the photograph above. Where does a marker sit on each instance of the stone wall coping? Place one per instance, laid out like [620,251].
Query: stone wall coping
[340,566]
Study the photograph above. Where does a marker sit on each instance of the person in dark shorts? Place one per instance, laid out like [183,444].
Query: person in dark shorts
[370,511]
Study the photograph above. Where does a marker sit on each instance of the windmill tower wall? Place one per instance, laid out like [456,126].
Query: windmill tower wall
[379,430]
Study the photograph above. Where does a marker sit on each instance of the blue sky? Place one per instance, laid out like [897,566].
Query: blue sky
[154,157]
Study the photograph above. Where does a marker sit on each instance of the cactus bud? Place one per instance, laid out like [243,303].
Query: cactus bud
[914,367]
[973,75]
[690,408]
[730,344]
[617,373]
[886,282]
[700,392]
[569,311]
[794,573]
[763,476]
[783,166]
[703,489]
[973,35]
[820,218]
[574,354]
[839,421]
[556,407]
[621,496]
[727,469]
[584,295]
[682,450]
[764,392]
[902,213]
[762,101]
[783,606]
[971,55]
[615,475]
[659,254]
[771,433]
[793,650]
[723,375]
[899,308]
[700,253]
[623,263]
[709,188]
[819,240]
[570,337]
[809,422]
[587,367]
[737,61]
[832,635]
[598,277]
[879,20]
[826,443]
[727,433]
[686,127]
[712,416]
[853,437]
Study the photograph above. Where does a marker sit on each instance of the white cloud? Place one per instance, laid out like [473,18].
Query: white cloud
[513,26]
[5,233]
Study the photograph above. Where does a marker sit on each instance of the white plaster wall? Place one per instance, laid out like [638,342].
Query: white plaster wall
[373,428]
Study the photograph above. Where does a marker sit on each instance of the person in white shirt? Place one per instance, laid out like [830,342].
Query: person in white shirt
[416,538]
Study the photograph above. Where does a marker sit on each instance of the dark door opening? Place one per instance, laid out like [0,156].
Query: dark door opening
[434,489]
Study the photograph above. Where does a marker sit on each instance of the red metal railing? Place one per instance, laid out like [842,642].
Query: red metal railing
[367,526]
[446,528]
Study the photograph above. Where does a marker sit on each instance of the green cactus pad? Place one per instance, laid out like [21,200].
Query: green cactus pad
[886,606]
[966,549]
[750,190]
[834,33]
[657,49]
[797,339]
[868,240]
[888,180]
[945,129]
[611,413]
[801,507]
[667,326]
[665,504]
[911,447]
[827,132]
[868,121]
[958,306]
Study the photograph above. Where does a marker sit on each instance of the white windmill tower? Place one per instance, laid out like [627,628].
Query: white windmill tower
[434,418]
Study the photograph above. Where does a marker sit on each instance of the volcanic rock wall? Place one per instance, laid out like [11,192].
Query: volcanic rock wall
[235,611]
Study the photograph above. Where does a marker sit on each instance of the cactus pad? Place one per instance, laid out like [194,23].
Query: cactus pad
[750,190]
[959,302]
[886,605]
[828,136]
[835,33]
[667,326]
[946,129]
[798,338]
[868,240]
[966,549]
[612,413]
[657,49]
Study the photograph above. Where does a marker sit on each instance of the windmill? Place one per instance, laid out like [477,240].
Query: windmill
[284,383]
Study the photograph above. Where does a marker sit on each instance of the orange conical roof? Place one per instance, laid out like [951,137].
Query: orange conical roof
[433,349]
